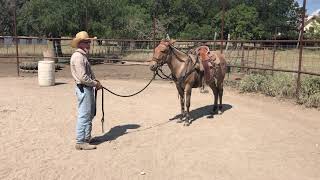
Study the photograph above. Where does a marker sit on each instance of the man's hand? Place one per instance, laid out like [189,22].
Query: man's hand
[98,86]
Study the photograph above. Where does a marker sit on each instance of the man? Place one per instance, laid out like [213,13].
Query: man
[85,84]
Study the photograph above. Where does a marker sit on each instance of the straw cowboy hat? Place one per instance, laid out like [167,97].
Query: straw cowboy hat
[80,36]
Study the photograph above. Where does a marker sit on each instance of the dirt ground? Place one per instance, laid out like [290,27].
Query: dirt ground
[256,137]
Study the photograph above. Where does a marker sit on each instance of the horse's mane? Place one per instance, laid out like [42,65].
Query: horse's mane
[181,56]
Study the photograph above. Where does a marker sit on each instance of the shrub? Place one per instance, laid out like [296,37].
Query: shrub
[34,66]
[282,85]
[252,83]
[310,92]
[279,84]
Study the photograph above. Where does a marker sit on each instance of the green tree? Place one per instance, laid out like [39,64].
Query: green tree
[6,15]
[242,22]
[187,19]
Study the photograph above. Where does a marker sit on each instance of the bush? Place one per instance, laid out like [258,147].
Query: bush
[280,84]
[28,66]
[34,66]
[310,92]
[252,83]
[283,85]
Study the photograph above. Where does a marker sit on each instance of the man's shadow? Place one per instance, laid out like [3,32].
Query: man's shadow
[203,111]
[114,133]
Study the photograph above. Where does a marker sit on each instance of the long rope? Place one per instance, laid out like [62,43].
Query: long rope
[130,95]
[102,97]
[102,107]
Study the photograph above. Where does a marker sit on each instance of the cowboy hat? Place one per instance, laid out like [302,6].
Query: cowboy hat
[80,36]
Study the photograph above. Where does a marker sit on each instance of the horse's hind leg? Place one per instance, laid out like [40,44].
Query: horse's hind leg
[220,91]
[183,113]
[215,94]
[188,120]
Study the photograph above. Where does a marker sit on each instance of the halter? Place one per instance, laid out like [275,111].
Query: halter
[159,61]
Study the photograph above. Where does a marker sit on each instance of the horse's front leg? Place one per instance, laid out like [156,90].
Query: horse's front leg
[215,94]
[188,120]
[183,113]
[220,111]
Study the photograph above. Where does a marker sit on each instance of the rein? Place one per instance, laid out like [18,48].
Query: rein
[163,75]
[130,95]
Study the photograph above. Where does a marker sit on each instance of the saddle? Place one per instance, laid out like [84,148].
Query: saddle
[205,67]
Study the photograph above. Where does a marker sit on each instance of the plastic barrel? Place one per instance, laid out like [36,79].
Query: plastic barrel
[46,73]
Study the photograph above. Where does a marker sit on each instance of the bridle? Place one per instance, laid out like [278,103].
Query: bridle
[161,61]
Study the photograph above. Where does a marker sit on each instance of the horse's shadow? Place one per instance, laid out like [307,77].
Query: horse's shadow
[114,133]
[203,111]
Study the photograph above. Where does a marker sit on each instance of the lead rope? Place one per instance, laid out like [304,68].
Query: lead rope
[130,95]
[102,106]
[102,98]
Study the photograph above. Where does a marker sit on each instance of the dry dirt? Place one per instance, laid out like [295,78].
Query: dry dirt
[256,138]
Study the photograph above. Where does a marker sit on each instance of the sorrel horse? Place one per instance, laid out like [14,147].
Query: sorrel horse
[186,75]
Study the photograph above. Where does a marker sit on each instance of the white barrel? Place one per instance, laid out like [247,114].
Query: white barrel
[46,73]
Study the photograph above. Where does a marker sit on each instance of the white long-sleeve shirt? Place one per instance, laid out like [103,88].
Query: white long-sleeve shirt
[81,69]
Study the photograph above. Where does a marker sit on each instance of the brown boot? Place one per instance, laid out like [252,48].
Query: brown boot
[85,146]
[92,140]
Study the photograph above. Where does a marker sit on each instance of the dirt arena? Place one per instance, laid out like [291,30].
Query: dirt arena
[257,137]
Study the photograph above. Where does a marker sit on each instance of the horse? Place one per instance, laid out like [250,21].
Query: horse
[186,74]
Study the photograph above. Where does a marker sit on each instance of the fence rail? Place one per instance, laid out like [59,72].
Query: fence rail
[266,55]
[274,55]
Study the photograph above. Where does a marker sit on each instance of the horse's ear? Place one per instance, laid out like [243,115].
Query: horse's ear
[172,41]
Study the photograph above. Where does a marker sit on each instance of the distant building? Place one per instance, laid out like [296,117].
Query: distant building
[312,21]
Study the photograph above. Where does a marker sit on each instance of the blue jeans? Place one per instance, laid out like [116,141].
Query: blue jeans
[86,112]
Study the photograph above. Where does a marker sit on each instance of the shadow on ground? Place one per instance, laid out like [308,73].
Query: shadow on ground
[114,133]
[60,83]
[203,111]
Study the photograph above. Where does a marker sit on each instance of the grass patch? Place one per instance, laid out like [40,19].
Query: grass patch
[279,84]
[252,83]
[283,85]
[310,92]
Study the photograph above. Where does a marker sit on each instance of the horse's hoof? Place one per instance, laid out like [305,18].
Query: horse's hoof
[180,121]
[186,124]
[220,112]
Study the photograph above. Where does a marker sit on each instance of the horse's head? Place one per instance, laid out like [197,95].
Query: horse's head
[160,54]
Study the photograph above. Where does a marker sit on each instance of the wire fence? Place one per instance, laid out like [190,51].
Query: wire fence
[295,56]
[277,55]
[298,57]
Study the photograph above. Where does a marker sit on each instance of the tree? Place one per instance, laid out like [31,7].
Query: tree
[245,19]
[242,22]
[6,15]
